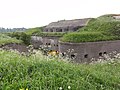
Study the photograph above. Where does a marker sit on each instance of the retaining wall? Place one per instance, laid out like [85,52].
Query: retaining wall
[84,52]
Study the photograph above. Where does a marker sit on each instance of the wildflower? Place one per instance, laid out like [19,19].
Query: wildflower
[69,87]
[60,88]
[26,88]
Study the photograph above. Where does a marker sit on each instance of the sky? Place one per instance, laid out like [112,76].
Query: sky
[36,13]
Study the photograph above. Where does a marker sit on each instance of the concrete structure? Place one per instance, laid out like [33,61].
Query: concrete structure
[51,41]
[66,25]
[117,16]
[84,52]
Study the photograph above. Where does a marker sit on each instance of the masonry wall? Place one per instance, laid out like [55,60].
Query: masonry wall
[52,41]
[84,52]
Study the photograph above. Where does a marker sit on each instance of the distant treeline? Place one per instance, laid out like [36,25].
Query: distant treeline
[3,30]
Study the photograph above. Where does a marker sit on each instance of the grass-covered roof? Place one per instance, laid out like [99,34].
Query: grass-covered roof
[99,29]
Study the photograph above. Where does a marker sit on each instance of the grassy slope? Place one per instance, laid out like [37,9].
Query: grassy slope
[38,73]
[105,25]
[4,39]
[33,30]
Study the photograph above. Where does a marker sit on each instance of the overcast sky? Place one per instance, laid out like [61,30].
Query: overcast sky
[35,13]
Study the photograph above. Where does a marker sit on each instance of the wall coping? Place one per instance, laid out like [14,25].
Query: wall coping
[69,43]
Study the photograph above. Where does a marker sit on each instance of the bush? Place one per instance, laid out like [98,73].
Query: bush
[21,36]
[4,39]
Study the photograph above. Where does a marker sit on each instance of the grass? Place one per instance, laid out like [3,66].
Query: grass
[40,73]
[4,39]
[86,37]
[59,34]
[32,31]
[103,28]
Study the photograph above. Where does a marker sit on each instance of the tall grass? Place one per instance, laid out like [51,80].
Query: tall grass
[40,73]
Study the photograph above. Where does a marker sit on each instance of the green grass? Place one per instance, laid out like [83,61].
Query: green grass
[86,37]
[59,34]
[4,39]
[38,73]
[102,28]
[32,31]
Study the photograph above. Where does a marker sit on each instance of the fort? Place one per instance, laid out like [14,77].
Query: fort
[81,51]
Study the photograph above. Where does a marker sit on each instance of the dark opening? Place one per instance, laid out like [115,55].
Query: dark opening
[60,30]
[72,56]
[54,44]
[57,45]
[48,43]
[63,54]
[105,53]
[100,54]
[86,56]
[51,30]
[46,30]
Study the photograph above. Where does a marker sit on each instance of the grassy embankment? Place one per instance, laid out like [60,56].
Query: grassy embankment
[4,39]
[103,28]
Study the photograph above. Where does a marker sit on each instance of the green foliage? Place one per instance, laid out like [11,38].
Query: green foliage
[21,36]
[4,39]
[38,73]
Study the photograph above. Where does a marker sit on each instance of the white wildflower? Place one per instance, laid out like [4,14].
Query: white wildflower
[69,87]
[60,88]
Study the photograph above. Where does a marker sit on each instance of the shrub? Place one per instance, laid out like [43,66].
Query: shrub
[4,39]
[21,36]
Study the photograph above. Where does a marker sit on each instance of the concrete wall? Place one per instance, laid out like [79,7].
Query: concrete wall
[52,41]
[84,52]
[36,41]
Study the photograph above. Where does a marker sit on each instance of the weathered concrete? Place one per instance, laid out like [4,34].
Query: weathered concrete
[52,41]
[84,52]
[36,41]
[66,25]
[15,46]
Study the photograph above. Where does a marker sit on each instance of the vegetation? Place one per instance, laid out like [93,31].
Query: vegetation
[4,39]
[86,37]
[59,34]
[21,36]
[103,28]
[39,73]
[32,31]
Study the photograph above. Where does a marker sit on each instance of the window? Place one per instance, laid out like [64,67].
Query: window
[48,43]
[51,30]
[105,53]
[86,56]
[100,54]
